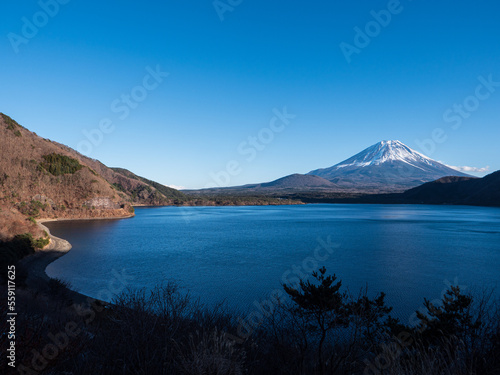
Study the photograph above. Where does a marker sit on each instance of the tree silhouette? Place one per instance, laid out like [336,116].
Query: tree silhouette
[454,319]
[325,305]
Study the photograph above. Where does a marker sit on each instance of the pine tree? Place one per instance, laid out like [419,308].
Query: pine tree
[325,305]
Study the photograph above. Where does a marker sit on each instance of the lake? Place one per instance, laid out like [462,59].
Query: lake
[242,254]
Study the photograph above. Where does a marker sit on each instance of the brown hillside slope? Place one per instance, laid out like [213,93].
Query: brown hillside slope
[130,187]
[44,179]
[27,187]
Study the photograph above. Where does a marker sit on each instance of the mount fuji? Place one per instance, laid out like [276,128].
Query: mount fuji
[386,166]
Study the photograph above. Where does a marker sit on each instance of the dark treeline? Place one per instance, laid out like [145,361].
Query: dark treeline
[317,327]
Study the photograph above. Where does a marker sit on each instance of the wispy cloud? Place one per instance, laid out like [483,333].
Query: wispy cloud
[470,169]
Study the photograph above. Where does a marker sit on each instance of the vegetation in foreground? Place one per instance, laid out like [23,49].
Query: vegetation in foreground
[22,245]
[315,328]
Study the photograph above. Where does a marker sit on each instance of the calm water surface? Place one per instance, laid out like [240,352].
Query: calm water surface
[241,254]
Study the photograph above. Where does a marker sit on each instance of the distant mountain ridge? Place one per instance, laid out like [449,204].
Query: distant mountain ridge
[167,192]
[458,190]
[298,181]
[387,165]
[444,191]
[293,182]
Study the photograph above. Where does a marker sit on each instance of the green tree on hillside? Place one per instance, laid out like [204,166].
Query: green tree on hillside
[58,164]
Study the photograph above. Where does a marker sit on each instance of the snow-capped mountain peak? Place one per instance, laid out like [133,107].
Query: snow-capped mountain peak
[386,151]
[386,165]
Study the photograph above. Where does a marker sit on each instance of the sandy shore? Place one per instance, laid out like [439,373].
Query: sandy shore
[36,264]
[56,243]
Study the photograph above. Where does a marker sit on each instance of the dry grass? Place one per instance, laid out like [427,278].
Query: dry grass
[165,332]
[209,352]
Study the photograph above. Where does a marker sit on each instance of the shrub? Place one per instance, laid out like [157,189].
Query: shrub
[11,124]
[320,329]
[118,186]
[453,318]
[14,250]
[32,208]
[58,164]
[58,286]
[164,331]
[211,353]
[41,242]
[27,240]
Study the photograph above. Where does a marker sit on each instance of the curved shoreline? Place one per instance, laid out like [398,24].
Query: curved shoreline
[36,264]
[56,243]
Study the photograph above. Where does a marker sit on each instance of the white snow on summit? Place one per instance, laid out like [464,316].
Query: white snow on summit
[386,151]
[386,164]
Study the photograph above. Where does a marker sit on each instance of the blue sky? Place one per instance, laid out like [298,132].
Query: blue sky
[93,75]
